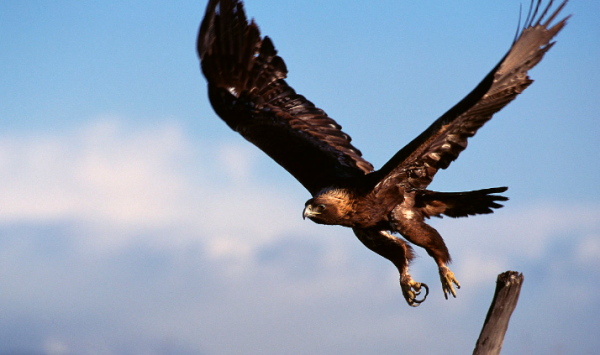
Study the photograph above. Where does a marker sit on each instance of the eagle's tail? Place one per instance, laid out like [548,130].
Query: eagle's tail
[232,53]
[461,204]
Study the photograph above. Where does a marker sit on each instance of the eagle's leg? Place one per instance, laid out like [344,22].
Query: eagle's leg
[410,223]
[398,252]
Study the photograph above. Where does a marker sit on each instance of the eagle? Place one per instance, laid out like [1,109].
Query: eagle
[247,89]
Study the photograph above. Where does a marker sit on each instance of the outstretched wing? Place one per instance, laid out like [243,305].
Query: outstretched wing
[246,89]
[414,166]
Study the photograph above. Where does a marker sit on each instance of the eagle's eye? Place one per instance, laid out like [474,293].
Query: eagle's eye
[320,208]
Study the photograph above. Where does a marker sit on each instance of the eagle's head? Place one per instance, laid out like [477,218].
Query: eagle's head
[329,207]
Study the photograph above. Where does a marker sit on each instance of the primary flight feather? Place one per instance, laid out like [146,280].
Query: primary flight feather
[247,89]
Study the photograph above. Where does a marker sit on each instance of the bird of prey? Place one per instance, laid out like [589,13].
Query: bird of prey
[247,89]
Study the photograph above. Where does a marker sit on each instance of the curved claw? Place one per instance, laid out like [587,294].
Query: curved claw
[412,289]
[447,278]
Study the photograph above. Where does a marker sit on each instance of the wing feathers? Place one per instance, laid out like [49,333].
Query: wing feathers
[415,165]
[248,91]
[246,88]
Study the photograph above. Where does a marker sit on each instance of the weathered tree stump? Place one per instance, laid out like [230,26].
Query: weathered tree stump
[508,287]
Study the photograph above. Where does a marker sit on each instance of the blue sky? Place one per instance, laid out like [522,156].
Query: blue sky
[133,221]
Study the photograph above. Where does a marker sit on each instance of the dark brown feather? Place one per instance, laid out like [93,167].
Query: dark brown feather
[247,90]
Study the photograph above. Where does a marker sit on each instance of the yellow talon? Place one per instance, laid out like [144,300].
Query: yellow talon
[412,289]
[447,278]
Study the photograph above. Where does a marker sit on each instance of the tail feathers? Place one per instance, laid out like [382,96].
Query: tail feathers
[461,204]
[233,55]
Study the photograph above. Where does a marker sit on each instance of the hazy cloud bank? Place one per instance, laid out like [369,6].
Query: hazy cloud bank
[120,240]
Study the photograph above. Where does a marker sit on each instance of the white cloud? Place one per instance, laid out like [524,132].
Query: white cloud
[96,173]
[588,251]
[114,181]
[53,346]
[475,268]
[237,161]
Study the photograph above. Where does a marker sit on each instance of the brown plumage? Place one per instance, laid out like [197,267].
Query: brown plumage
[246,88]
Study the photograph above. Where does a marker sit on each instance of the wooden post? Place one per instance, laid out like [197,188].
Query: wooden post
[508,287]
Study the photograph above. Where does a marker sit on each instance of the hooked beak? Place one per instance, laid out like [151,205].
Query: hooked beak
[308,212]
